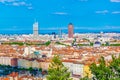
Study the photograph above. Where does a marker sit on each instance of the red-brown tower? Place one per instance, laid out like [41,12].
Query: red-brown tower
[70,30]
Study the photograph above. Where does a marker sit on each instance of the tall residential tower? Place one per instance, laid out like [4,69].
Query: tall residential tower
[35,29]
[70,30]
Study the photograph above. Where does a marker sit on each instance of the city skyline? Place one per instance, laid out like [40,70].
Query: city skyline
[59,39]
[52,15]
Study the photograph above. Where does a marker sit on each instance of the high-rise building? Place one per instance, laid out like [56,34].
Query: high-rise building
[60,33]
[35,29]
[70,30]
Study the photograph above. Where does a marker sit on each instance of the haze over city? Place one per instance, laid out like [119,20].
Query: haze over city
[86,15]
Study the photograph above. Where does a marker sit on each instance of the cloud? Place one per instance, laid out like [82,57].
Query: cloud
[115,0]
[60,13]
[116,12]
[19,4]
[3,1]
[106,12]
[16,3]
[30,7]
[112,27]
[102,12]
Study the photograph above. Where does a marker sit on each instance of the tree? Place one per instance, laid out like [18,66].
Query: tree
[40,69]
[106,72]
[85,78]
[57,71]
[30,70]
[115,67]
[101,71]
[91,43]
[48,43]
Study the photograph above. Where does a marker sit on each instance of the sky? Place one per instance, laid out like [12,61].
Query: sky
[54,14]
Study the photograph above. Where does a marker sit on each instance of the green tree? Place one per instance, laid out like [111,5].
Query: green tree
[101,71]
[40,69]
[91,43]
[85,78]
[57,71]
[47,43]
[106,72]
[115,67]
[30,70]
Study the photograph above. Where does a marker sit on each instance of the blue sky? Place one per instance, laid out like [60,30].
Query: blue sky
[54,14]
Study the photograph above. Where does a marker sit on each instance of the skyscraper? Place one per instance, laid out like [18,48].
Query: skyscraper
[35,29]
[60,33]
[70,30]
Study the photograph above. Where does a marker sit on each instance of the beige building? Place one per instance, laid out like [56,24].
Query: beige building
[8,61]
[35,64]
[44,65]
[24,63]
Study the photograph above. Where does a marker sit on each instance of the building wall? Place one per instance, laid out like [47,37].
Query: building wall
[75,68]
[78,69]
[1,60]
[44,65]
[35,64]
[20,61]
[24,63]
[14,62]
[68,65]
[28,64]
[8,61]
